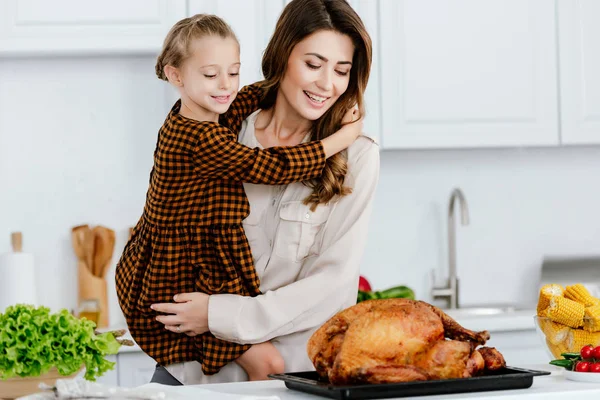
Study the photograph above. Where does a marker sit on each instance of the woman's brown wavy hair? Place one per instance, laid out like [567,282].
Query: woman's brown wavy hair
[299,19]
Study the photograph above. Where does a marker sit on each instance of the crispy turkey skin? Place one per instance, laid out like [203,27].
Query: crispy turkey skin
[397,340]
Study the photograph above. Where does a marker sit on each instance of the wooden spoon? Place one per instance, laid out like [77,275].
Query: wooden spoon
[88,248]
[104,244]
[78,239]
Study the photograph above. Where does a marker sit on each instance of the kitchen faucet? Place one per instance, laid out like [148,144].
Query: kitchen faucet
[450,291]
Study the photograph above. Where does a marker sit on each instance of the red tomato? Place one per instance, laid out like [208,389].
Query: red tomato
[582,366]
[586,351]
[363,284]
[596,353]
[595,367]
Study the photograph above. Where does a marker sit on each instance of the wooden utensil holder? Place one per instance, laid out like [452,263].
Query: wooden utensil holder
[92,287]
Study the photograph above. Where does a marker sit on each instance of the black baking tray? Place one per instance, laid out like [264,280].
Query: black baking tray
[503,379]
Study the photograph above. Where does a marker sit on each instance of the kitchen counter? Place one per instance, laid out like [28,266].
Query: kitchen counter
[519,320]
[550,387]
[512,332]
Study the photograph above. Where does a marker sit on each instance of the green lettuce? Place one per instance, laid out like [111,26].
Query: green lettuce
[32,340]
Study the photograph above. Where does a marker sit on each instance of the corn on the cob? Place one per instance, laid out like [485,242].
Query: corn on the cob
[580,294]
[557,349]
[591,322]
[566,312]
[578,338]
[555,333]
[546,293]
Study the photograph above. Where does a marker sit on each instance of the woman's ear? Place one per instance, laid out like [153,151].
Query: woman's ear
[173,75]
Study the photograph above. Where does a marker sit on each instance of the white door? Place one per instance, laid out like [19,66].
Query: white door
[41,27]
[579,50]
[253,22]
[468,73]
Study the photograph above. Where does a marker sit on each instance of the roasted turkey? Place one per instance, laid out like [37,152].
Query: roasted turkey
[398,340]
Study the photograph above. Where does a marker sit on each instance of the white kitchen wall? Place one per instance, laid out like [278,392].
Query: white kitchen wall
[76,142]
[524,204]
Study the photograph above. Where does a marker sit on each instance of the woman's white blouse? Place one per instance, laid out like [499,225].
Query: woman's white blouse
[307,261]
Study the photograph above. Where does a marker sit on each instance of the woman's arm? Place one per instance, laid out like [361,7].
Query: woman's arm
[324,290]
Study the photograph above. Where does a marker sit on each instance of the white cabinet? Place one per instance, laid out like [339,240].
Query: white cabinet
[110,378]
[41,27]
[253,22]
[134,368]
[468,73]
[579,33]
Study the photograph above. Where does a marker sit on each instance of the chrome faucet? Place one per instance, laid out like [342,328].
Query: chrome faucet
[450,291]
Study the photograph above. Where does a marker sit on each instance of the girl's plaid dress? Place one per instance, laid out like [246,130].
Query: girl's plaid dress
[190,236]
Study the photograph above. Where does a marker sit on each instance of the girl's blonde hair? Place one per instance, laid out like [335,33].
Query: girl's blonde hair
[176,47]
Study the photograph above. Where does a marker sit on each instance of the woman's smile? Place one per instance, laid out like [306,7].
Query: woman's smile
[315,100]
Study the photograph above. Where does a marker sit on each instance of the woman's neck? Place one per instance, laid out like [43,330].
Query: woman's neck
[281,125]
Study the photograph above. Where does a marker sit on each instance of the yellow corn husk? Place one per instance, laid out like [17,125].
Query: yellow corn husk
[557,349]
[546,293]
[591,322]
[578,338]
[580,294]
[566,312]
[555,333]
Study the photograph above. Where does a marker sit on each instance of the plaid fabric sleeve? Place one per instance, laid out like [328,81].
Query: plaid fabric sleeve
[218,155]
[244,104]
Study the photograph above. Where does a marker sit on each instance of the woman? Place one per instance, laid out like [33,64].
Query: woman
[307,239]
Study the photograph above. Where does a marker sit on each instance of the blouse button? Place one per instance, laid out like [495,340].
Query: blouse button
[307,216]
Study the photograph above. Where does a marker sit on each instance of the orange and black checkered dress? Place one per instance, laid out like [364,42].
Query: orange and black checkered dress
[190,237]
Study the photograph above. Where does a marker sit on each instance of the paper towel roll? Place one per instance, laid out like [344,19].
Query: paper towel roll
[17,280]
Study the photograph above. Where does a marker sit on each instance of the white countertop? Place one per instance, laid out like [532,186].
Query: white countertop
[550,387]
[503,322]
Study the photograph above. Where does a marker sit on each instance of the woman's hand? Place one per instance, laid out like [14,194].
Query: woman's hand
[189,313]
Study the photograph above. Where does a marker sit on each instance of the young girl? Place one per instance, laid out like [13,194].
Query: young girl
[190,236]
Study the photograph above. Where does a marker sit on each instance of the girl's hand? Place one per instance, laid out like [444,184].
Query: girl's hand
[351,129]
[189,313]
[353,122]
[351,115]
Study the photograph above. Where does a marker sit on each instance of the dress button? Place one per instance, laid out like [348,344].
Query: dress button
[307,216]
